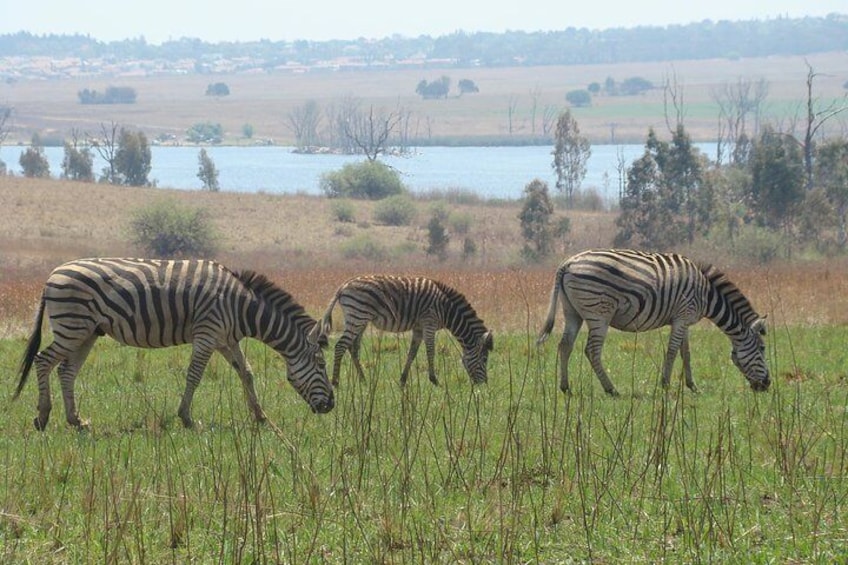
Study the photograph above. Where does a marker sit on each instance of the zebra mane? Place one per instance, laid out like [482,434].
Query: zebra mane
[725,287]
[458,300]
[268,291]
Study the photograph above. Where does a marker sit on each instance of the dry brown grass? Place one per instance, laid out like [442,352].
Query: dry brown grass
[293,239]
[171,104]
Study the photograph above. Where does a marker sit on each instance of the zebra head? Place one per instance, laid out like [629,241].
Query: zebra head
[475,356]
[749,355]
[308,372]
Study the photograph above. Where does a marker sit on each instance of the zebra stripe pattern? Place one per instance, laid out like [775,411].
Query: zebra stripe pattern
[635,291]
[400,304]
[159,303]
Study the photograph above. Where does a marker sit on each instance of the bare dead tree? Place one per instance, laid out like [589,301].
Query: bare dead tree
[816,119]
[107,147]
[673,100]
[549,119]
[535,94]
[5,115]
[510,112]
[738,102]
[369,132]
[304,122]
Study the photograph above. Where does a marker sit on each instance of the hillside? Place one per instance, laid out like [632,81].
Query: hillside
[296,240]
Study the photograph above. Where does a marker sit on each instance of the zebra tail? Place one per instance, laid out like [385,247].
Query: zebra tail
[326,322]
[549,321]
[33,346]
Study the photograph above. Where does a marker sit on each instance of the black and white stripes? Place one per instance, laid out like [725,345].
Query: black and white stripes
[159,303]
[399,304]
[635,291]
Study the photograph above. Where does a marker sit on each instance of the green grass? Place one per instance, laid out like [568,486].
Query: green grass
[513,471]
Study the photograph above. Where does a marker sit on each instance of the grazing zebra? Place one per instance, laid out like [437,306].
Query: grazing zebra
[635,291]
[158,303]
[399,304]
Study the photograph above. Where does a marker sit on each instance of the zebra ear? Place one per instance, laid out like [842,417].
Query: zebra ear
[759,326]
[489,340]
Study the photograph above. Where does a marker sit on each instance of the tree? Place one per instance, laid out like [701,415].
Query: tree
[207,172]
[666,198]
[78,162]
[205,132]
[437,236]
[247,131]
[535,217]
[5,114]
[777,179]
[33,161]
[132,159]
[436,89]
[218,89]
[303,121]
[107,147]
[369,133]
[571,153]
[738,103]
[579,98]
[816,118]
[831,175]
[467,86]
[112,95]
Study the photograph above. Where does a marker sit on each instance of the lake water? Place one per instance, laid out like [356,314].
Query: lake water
[495,172]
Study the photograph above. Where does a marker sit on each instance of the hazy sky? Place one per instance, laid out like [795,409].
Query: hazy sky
[245,20]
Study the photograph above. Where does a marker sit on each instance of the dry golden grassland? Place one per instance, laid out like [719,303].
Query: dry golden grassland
[295,240]
[171,104]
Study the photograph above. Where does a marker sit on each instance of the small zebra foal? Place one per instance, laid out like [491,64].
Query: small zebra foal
[400,304]
[159,303]
[635,291]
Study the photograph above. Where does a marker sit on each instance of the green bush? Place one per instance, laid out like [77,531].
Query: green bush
[343,211]
[396,210]
[369,180]
[363,247]
[168,229]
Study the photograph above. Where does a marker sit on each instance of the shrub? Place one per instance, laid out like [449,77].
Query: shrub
[437,237]
[370,180]
[168,229]
[396,210]
[363,247]
[343,211]
[460,222]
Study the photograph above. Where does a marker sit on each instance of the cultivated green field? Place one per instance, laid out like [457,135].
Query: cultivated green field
[513,471]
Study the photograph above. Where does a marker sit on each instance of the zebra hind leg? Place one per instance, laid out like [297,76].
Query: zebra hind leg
[45,361]
[566,345]
[594,347]
[349,341]
[68,370]
[687,366]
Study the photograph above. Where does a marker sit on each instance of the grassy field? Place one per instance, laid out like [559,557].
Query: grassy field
[511,101]
[512,471]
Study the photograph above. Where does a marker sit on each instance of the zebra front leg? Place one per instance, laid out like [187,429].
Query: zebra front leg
[430,347]
[200,355]
[413,351]
[235,357]
[675,340]
[687,367]
[594,347]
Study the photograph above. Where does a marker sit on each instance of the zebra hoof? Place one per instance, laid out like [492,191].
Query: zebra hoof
[612,393]
[39,424]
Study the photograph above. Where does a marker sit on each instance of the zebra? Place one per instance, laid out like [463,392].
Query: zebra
[635,291]
[399,304]
[151,303]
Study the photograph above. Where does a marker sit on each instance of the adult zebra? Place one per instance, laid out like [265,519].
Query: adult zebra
[635,291]
[159,303]
[400,304]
